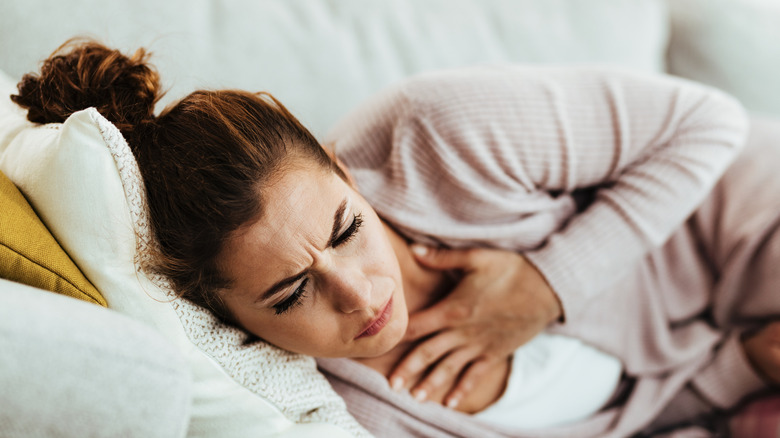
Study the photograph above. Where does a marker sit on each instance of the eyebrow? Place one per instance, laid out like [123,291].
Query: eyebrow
[338,223]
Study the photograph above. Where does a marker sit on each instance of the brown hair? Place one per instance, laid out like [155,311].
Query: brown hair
[204,160]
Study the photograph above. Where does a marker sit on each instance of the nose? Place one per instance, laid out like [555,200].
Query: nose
[350,289]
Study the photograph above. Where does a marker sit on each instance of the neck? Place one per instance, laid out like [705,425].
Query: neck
[422,287]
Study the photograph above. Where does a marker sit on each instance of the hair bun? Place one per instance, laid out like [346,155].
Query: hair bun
[83,74]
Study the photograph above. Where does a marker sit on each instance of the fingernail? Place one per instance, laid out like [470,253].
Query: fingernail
[420,250]
[452,403]
[397,383]
[420,395]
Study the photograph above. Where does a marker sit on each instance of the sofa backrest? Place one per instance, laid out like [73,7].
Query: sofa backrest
[321,58]
[733,45]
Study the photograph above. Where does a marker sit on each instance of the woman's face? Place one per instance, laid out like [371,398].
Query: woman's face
[316,274]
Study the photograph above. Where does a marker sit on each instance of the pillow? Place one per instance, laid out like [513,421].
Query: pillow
[730,44]
[81,178]
[30,255]
[28,252]
[68,368]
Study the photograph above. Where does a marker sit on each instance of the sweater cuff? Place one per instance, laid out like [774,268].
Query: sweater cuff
[729,377]
[579,264]
[561,279]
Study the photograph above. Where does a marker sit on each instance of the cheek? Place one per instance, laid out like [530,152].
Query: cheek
[377,251]
[304,334]
[279,330]
[379,264]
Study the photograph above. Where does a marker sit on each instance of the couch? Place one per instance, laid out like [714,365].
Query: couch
[125,359]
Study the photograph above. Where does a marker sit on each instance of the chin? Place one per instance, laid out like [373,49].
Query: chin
[397,329]
[388,339]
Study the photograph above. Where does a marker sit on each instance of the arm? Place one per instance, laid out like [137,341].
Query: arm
[479,157]
[489,157]
[654,147]
[743,364]
[740,366]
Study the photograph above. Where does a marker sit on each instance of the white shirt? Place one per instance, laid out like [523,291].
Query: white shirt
[554,380]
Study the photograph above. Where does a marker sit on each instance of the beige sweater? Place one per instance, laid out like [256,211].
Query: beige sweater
[604,180]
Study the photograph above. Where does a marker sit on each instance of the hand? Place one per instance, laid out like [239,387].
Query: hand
[501,302]
[763,351]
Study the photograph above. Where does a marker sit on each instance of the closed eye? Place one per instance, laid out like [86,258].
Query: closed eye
[350,232]
[293,300]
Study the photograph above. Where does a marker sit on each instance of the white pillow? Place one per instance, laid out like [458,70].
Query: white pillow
[82,180]
[65,362]
[730,44]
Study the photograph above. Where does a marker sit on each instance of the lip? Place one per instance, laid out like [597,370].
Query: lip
[379,322]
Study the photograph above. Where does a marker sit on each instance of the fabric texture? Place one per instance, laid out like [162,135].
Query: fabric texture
[71,369]
[67,172]
[30,255]
[610,183]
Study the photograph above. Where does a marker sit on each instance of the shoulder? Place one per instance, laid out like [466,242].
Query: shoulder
[422,96]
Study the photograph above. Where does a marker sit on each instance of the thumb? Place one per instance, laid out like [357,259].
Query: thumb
[442,258]
[426,322]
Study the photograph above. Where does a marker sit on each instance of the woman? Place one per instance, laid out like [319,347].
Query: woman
[581,180]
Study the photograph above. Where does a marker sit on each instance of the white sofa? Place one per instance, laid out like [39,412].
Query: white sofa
[320,57]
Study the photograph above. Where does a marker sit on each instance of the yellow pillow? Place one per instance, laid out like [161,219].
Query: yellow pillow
[29,254]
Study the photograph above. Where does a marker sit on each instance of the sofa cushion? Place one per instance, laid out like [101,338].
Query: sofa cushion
[71,369]
[29,254]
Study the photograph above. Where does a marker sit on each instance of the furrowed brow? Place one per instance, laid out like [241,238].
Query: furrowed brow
[338,223]
[279,285]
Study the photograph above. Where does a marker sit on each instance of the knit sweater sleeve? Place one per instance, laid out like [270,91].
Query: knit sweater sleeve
[671,141]
[729,377]
[510,145]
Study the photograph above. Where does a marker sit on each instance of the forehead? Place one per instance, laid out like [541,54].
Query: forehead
[297,201]
[297,220]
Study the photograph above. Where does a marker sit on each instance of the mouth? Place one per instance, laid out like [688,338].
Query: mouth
[378,323]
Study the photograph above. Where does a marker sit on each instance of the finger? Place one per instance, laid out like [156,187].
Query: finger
[443,315]
[467,382]
[442,258]
[444,374]
[410,369]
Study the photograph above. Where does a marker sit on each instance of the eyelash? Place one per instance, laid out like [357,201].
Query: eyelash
[294,300]
[350,232]
[300,292]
